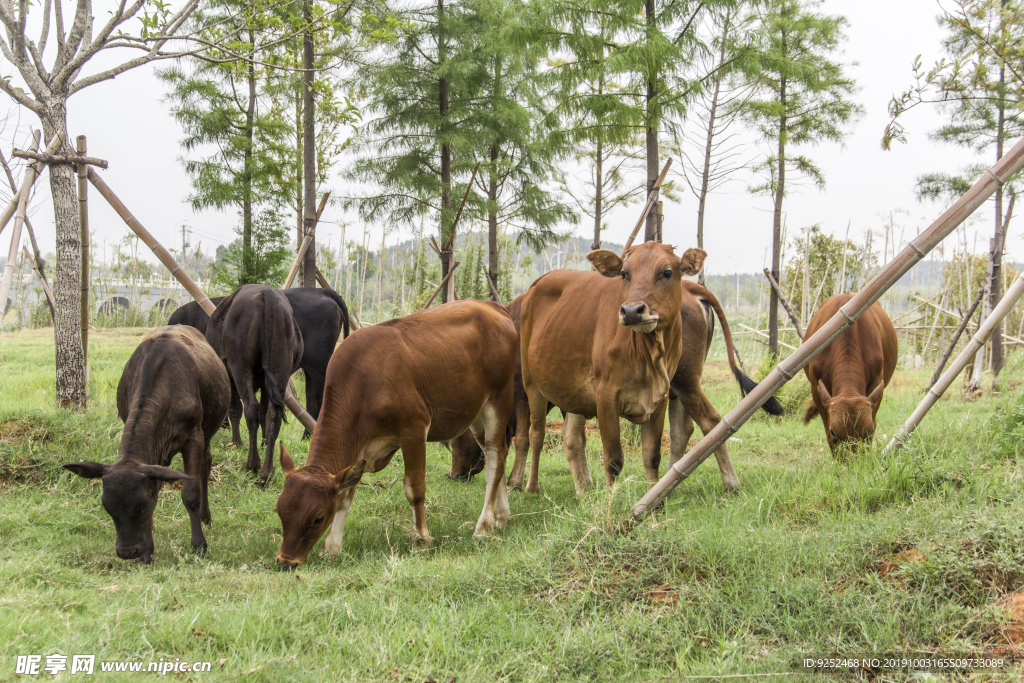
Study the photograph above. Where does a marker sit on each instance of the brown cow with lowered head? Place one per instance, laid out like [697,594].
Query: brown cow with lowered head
[429,376]
[848,377]
[606,344]
[172,397]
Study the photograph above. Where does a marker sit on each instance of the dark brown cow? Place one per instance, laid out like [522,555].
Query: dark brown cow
[172,398]
[429,376]
[254,333]
[605,344]
[848,377]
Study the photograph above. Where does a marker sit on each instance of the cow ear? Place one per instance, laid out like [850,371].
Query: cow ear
[287,464]
[692,261]
[349,476]
[88,470]
[605,262]
[162,473]
[823,394]
[876,396]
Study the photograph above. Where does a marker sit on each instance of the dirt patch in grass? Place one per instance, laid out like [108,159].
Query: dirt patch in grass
[888,568]
[1012,632]
[14,430]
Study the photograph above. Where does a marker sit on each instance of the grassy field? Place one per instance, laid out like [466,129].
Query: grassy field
[914,553]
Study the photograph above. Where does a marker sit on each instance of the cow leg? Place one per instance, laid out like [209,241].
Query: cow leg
[192,490]
[515,479]
[314,396]
[538,424]
[414,453]
[332,544]
[235,415]
[680,429]
[271,429]
[251,410]
[650,438]
[707,418]
[574,440]
[608,424]
[488,429]
[204,483]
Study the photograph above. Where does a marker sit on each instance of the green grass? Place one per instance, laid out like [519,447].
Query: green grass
[712,584]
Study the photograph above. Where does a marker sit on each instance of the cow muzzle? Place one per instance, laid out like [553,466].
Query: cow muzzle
[286,564]
[638,316]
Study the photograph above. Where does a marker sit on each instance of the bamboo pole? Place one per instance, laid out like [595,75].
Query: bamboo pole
[762,334]
[652,198]
[915,250]
[83,219]
[19,220]
[842,276]
[785,304]
[77,159]
[977,342]
[301,253]
[37,169]
[441,285]
[956,338]
[42,280]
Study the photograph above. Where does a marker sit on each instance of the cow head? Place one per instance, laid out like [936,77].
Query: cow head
[851,419]
[467,457]
[651,274]
[307,505]
[130,490]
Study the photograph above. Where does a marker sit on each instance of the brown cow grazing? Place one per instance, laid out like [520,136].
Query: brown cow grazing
[429,376]
[605,344]
[172,398]
[848,377]
[254,333]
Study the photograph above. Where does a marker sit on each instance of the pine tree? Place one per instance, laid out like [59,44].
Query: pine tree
[803,98]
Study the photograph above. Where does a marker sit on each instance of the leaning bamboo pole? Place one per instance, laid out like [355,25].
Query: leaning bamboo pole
[19,221]
[785,304]
[42,281]
[915,250]
[37,169]
[83,219]
[976,343]
[652,199]
[176,270]
[301,253]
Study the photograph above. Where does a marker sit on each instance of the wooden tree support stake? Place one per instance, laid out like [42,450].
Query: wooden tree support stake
[785,304]
[82,171]
[652,199]
[956,338]
[1003,170]
[301,253]
[37,169]
[42,281]
[19,220]
[977,342]
[440,286]
[59,158]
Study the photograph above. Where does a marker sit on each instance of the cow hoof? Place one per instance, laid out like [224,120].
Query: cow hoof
[533,488]
[514,484]
[421,543]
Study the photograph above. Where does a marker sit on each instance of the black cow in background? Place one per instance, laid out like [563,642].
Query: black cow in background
[255,335]
[321,315]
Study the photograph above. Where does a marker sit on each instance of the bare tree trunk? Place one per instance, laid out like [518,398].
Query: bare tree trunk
[246,276]
[653,167]
[598,194]
[773,304]
[67,333]
[447,240]
[709,145]
[298,175]
[308,149]
[492,222]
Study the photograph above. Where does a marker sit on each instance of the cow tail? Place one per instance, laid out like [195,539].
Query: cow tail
[772,405]
[345,320]
[269,329]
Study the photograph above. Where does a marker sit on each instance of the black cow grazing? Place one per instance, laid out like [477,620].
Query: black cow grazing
[172,398]
[322,316]
[254,333]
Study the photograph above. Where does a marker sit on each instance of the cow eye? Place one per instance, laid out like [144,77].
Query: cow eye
[318,521]
[667,273]
[832,434]
[624,275]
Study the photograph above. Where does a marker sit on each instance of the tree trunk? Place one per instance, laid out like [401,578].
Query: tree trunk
[773,305]
[298,174]
[447,240]
[705,177]
[247,276]
[67,333]
[308,149]
[599,173]
[998,241]
[492,222]
[651,227]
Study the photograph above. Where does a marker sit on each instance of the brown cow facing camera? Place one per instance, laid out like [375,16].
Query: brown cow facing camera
[606,344]
[172,397]
[848,377]
[428,376]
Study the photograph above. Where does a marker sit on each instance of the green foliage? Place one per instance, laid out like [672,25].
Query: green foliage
[825,268]
[269,257]
[803,94]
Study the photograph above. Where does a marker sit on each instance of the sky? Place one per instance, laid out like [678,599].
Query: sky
[128,123]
